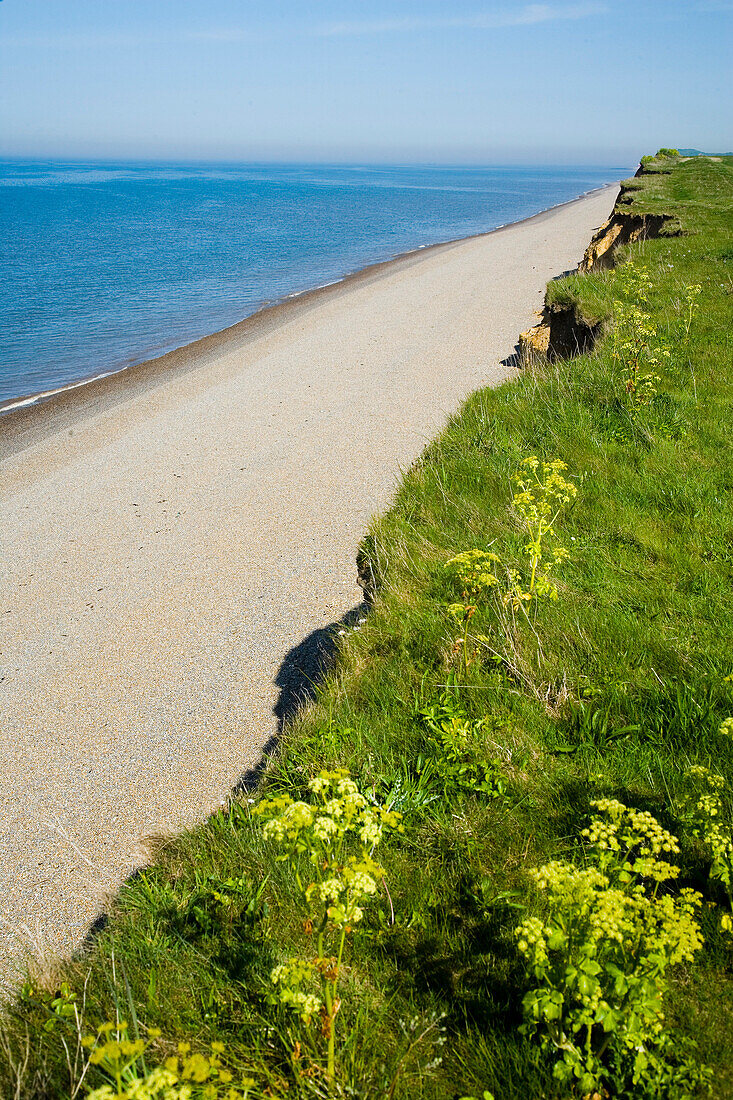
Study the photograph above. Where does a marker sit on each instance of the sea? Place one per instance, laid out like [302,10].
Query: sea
[104,265]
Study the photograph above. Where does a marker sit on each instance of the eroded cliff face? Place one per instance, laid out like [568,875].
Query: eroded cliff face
[562,332]
[623,227]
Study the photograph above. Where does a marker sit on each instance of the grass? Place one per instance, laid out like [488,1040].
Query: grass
[614,689]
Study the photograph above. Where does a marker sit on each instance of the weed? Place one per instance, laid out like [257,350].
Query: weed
[601,955]
[700,811]
[454,752]
[543,494]
[691,305]
[476,572]
[639,353]
[184,1076]
[341,884]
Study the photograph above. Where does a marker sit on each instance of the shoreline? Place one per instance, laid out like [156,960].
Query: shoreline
[18,415]
[179,544]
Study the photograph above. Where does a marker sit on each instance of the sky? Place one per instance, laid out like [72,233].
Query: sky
[397,81]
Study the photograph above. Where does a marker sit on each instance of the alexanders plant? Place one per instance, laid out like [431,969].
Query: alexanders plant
[186,1075]
[475,570]
[638,351]
[691,303]
[701,812]
[329,843]
[600,954]
[542,492]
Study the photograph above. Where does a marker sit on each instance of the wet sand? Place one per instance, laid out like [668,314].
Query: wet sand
[175,538]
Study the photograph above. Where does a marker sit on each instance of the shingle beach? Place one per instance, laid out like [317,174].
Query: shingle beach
[173,536]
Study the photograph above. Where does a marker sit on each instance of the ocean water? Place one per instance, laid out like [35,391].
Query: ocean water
[105,265]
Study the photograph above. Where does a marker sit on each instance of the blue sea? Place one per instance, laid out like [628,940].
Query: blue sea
[106,265]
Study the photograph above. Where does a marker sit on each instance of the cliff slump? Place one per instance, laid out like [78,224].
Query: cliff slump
[626,226]
[562,331]
[622,228]
[561,334]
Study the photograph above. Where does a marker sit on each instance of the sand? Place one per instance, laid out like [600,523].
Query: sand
[175,540]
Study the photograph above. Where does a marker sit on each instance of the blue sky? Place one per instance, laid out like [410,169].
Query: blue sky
[464,81]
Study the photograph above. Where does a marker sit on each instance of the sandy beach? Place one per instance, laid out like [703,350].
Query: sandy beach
[176,538]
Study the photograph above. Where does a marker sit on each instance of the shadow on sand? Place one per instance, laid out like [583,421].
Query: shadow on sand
[302,671]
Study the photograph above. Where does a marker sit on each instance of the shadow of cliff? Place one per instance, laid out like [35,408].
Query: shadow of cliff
[307,664]
[301,672]
[512,361]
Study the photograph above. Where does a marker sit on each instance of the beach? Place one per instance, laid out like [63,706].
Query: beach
[178,537]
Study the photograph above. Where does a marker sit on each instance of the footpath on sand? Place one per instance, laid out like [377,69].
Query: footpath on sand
[176,539]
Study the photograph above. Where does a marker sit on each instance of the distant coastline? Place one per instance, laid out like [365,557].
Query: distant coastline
[26,414]
[164,261]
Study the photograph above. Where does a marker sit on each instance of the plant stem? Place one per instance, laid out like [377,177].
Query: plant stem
[465,645]
[331,1071]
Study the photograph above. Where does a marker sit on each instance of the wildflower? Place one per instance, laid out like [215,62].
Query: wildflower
[330,889]
[361,884]
[370,832]
[325,827]
[600,952]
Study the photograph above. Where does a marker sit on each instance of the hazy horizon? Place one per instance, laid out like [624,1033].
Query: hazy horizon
[409,82]
[354,163]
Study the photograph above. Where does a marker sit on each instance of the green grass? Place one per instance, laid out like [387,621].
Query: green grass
[641,636]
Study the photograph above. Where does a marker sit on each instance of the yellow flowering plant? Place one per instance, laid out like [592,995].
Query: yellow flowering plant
[600,954]
[323,834]
[691,305]
[475,570]
[638,350]
[542,493]
[701,811]
[186,1075]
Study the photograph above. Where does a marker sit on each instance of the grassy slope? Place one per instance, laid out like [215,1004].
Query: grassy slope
[641,635]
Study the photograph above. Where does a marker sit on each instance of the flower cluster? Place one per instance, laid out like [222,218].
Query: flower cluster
[476,571]
[341,894]
[288,978]
[185,1076]
[159,1084]
[701,812]
[633,839]
[543,488]
[324,833]
[322,826]
[601,952]
[726,729]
